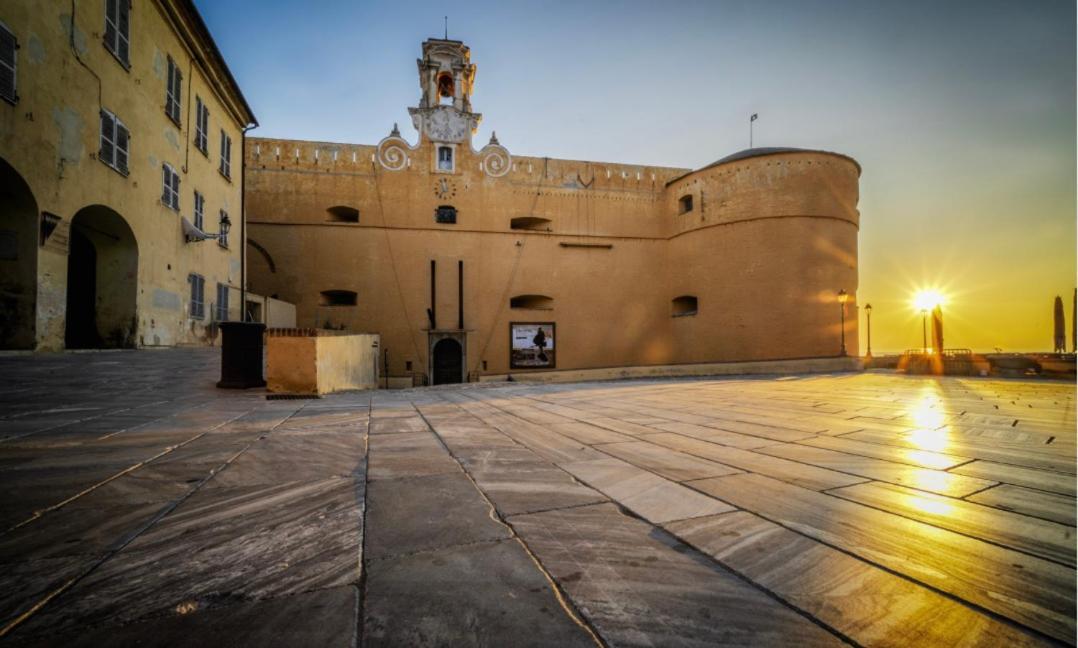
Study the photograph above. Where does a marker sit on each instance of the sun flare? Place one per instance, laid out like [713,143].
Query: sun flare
[928,299]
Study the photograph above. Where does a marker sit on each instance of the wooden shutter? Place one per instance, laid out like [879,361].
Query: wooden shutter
[122,139]
[8,46]
[108,148]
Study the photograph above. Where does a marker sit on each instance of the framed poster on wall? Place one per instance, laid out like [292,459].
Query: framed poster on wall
[531,345]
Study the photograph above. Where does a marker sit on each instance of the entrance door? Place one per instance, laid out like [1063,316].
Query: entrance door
[448,362]
[81,293]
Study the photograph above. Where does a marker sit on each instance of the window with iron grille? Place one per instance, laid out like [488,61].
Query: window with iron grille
[445,214]
[222,238]
[8,46]
[115,139]
[226,155]
[170,191]
[198,307]
[200,210]
[222,303]
[118,30]
[202,126]
[173,91]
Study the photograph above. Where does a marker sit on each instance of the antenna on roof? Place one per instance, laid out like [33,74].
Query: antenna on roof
[446,27]
[751,119]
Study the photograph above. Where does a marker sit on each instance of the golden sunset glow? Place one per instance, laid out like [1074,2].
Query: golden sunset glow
[928,299]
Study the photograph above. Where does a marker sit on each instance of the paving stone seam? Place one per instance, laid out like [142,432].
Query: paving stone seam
[962,533]
[969,604]
[71,582]
[562,597]
[16,437]
[41,512]
[364,561]
[804,613]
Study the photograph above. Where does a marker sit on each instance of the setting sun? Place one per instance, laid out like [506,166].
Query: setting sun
[928,299]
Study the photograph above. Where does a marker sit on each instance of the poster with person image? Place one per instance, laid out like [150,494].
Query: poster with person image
[531,345]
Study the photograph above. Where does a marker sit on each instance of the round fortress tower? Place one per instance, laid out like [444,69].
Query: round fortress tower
[763,240]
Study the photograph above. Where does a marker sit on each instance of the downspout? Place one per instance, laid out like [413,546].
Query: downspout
[243,221]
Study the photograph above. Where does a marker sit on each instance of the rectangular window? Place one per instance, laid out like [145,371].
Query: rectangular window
[222,238]
[8,47]
[115,139]
[173,91]
[200,210]
[226,155]
[685,204]
[202,126]
[222,303]
[170,187]
[118,30]
[198,307]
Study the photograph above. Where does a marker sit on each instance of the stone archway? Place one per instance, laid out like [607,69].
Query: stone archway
[19,234]
[102,281]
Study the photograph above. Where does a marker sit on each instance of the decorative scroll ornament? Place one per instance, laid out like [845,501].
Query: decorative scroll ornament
[495,158]
[393,151]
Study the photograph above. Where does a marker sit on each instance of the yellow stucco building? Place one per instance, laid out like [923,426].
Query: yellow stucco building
[458,256]
[121,131]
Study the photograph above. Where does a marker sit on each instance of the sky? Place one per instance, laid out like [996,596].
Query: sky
[961,114]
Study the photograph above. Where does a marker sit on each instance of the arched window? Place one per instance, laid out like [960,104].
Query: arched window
[338,298]
[445,214]
[445,158]
[342,214]
[683,306]
[532,302]
[533,223]
[446,86]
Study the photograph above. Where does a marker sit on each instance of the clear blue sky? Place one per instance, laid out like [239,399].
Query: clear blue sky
[962,115]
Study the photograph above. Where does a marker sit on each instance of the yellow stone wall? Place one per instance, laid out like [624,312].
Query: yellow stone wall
[50,138]
[770,241]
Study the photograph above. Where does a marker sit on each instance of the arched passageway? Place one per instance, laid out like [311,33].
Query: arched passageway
[448,362]
[102,281]
[19,232]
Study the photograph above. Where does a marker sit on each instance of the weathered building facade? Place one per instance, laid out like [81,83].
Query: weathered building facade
[473,263]
[120,149]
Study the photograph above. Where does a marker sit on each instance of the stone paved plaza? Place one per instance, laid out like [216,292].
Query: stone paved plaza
[143,506]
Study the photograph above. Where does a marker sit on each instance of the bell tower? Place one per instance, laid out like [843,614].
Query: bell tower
[446,77]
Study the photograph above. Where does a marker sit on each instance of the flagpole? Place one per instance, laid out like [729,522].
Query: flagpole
[752,118]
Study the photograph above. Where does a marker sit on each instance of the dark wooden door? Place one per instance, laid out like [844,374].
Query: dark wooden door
[448,362]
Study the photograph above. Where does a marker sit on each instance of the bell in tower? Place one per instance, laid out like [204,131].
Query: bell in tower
[446,77]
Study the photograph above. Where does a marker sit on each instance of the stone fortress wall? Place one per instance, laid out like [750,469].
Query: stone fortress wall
[603,250]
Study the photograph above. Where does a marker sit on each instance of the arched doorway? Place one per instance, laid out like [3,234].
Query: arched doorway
[19,232]
[448,362]
[102,281]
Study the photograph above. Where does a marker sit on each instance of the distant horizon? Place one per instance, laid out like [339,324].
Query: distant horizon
[961,114]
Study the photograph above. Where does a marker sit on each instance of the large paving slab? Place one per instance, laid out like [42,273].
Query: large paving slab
[143,506]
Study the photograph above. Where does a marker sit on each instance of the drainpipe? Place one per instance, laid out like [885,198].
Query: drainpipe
[243,221]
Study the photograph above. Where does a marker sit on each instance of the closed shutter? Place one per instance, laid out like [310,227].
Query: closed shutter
[124,28]
[8,46]
[111,28]
[108,149]
[175,190]
[122,139]
[166,185]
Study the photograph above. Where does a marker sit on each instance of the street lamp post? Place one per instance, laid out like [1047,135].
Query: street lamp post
[924,330]
[842,297]
[868,326]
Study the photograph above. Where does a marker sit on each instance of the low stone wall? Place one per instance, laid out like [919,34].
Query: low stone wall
[317,361]
[801,366]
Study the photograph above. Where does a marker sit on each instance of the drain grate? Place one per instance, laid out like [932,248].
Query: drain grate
[292,396]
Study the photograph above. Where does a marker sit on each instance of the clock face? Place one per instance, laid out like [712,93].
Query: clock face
[446,125]
[445,189]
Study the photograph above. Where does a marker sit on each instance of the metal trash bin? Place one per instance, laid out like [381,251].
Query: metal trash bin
[241,355]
